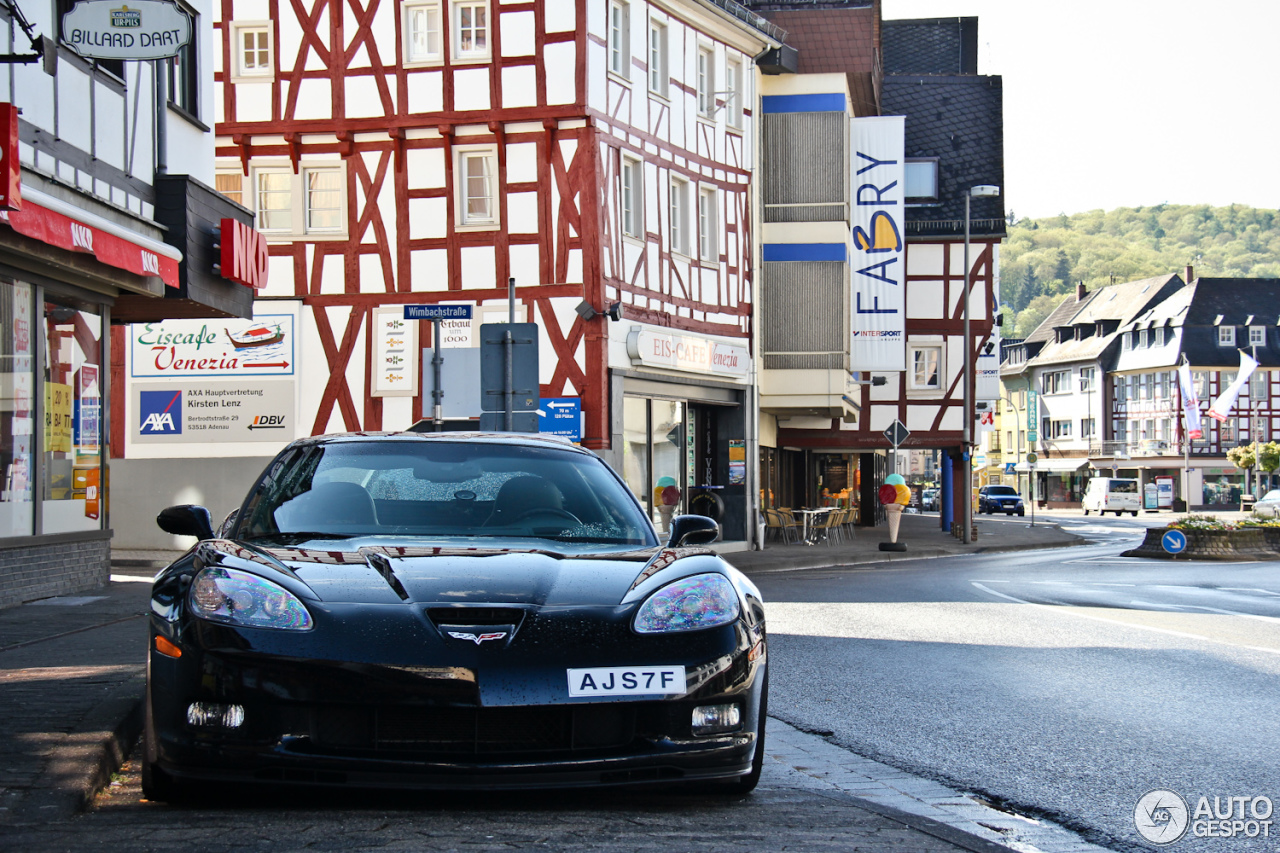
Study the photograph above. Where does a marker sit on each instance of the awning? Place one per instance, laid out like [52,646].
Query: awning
[1059,465]
[58,223]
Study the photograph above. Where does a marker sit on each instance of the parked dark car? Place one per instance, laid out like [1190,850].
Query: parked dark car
[929,500]
[450,611]
[993,499]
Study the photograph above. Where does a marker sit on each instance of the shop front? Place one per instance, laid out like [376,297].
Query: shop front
[70,269]
[680,419]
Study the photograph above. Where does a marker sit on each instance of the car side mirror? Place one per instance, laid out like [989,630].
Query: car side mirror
[693,530]
[186,520]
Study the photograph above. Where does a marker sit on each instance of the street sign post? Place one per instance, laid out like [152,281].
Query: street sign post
[896,433]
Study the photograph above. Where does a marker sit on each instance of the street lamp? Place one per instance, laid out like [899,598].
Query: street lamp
[980,191]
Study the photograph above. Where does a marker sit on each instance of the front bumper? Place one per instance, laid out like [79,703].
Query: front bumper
[364,724]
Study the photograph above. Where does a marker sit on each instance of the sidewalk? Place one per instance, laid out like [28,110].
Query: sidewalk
[923,539]
[72,669]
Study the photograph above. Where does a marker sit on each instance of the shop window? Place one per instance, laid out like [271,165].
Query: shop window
[73,383]
[654,455]
[17,381]
[251,52]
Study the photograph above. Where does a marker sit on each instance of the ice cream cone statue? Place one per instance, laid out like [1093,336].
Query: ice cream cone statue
[894,495]
[666,496]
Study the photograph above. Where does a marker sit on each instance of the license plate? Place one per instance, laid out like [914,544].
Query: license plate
[627,681]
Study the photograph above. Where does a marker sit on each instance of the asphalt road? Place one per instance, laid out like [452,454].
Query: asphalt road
[1064,683]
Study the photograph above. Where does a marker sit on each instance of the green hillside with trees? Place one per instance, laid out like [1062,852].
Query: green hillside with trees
[1042,259]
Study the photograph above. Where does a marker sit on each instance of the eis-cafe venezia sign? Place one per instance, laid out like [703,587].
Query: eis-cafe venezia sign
[138,29]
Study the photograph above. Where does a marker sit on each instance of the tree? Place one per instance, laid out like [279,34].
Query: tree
[1243,456]
[1033,315]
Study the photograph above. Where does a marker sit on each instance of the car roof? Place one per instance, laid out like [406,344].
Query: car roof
[520,439]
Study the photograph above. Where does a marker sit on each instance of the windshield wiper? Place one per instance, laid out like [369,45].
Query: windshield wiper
[301,536]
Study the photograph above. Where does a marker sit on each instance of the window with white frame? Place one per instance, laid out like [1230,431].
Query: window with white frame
[1058,428]
[1057,382]
[476,182]
[310,203]
[1228,433]
[1088,379]
[1122,432]
[251,52]
[1088,427]
[1200,382]
[1166,430]
[230,184]
[632,197]
[926,367]
[470,29]
[1144,386]
[659,77]
[735,92]
[1257,336]
[679,216]
[1142,337]
[423,31]
[1126,341]
[706,82]
[620,38]
[1120,389]
[1165,381]
[708,245]
[1226,336]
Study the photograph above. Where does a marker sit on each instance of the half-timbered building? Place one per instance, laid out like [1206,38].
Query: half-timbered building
[598,152]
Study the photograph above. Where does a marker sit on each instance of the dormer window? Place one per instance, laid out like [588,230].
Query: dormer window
[1226,336]
[1142,337]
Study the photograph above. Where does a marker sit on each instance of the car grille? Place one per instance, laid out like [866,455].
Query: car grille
[475,731]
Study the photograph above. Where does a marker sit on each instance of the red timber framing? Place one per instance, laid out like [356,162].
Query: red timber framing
[576,186]
[863,436]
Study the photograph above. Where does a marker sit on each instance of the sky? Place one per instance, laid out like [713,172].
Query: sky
[1127,103]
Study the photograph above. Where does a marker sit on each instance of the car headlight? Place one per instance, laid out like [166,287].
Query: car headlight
[241,598]
[700,601]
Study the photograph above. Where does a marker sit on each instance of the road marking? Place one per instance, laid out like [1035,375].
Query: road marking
[1117,623]
[1248,589]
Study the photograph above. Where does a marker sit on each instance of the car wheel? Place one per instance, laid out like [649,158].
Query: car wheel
[1021,513]
[1086,510]
[746,784]
[1134,513]
[156,784]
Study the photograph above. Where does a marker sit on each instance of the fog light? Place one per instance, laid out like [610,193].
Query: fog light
[714,719]
[207,714]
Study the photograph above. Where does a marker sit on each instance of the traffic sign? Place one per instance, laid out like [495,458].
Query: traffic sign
[561,416]
[1009,468]
[524,366]
[1032,436]
[897,432]
[437,312]
[1031,458]
[1174,541]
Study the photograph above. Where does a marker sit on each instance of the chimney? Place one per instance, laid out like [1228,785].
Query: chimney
[1080,291]
[1191,274]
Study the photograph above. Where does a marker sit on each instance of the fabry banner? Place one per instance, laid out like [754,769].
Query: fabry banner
[879,257]
[1190,402]
[1221,407]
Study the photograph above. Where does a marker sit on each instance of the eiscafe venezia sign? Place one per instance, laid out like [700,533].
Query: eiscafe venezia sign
[688,353]
[139,29]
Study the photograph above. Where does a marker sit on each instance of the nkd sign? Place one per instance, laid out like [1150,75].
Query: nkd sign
[138,29]
[243,254]
[878,311]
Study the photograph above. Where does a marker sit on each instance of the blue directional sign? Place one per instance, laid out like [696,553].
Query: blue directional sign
[561,416]
[437,312]
[1174,541]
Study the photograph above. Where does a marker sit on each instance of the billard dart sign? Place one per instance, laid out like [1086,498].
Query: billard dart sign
[138,29]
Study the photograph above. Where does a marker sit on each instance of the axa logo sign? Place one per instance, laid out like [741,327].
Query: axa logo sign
[160,412]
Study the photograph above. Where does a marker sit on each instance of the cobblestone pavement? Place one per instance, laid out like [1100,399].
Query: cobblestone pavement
[814,797]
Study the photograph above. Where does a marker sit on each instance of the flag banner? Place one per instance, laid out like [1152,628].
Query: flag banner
[1221,407]
[1190,403]
[879,309]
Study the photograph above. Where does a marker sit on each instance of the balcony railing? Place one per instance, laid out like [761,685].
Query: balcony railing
[1128,449]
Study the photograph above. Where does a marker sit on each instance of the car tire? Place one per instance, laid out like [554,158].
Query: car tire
[1134,513]
[1021,513]
[157,785]
[1086,510]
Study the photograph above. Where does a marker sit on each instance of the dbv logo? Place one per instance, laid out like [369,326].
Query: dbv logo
[160,412]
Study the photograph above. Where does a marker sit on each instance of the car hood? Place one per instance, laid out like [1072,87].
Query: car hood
[453,575]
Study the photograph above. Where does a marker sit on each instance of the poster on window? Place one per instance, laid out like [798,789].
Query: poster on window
[879,256]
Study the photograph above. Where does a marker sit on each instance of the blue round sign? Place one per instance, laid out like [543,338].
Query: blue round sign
[1174,541]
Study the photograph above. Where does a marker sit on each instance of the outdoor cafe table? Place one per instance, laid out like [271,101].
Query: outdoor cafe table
[809,518]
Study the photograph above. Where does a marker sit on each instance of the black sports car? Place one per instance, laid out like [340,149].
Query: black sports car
[451,611]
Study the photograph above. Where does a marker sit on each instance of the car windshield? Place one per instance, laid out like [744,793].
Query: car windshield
[442,490]
[1272,496]
[1001,490]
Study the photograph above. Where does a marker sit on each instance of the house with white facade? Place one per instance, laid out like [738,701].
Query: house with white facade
[107,216]
[598,154]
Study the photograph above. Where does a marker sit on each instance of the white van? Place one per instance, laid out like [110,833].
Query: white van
[1112,494]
